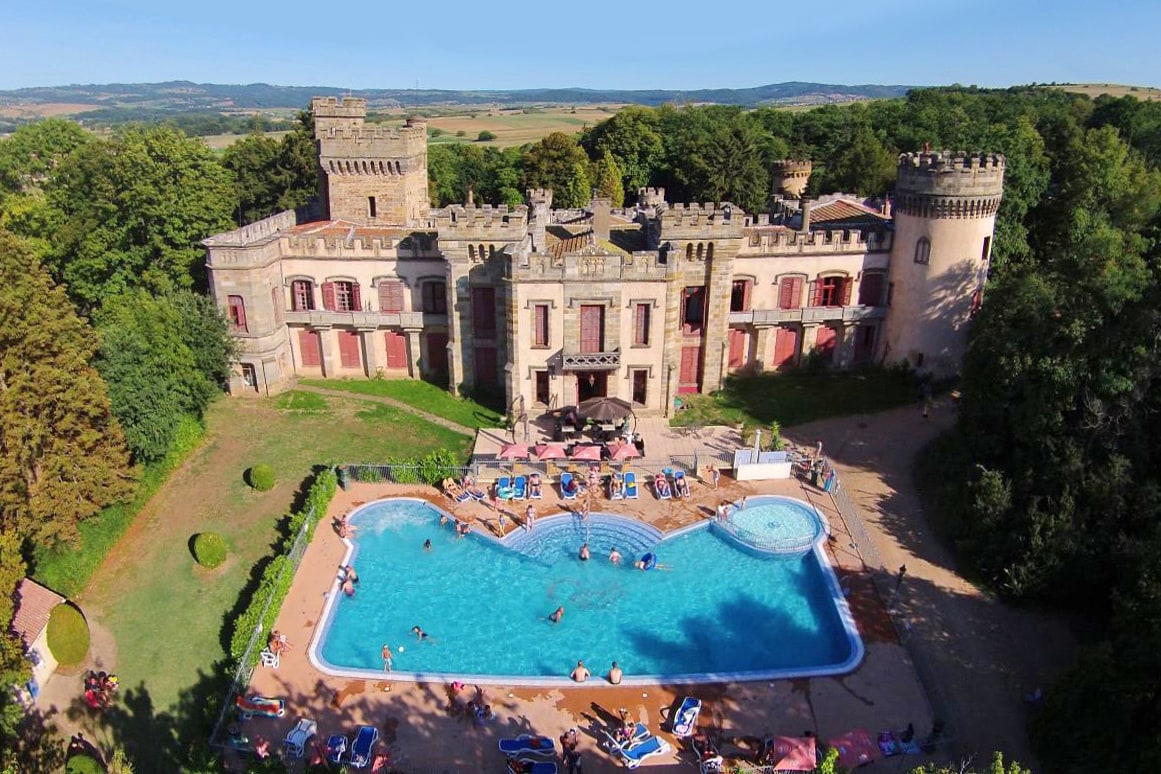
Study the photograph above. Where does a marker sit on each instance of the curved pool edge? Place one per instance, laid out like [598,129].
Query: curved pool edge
[846,619]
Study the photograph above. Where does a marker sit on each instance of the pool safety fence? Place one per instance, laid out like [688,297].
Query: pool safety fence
[221,737]
[893,594]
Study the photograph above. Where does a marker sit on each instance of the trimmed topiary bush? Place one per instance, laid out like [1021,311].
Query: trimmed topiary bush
[68,634]
[209,549]
[262,477]
[82,763]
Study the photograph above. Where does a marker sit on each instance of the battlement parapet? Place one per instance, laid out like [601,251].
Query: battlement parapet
[254,233]
[782,241]
[945,173]
[650,197]
[460,223]
[539,197]
[638,266]
[372,141]
[702,221]
[338,107]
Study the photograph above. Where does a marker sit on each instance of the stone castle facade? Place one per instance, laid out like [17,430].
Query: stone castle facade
[548,307]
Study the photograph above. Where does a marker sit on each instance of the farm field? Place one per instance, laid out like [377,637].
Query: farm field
[1095,90]
[514,127]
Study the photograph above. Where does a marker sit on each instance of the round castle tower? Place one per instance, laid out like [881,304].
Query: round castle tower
[945,212]
[790,177]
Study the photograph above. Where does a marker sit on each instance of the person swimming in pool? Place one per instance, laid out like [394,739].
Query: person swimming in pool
[427,545]
[420,634]
[557,614]
[615,556]
[584,552]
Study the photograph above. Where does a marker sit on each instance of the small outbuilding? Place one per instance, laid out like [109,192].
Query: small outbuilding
[34,605]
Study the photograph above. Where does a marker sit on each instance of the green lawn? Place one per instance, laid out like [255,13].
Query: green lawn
[420,394]
[168,615]
[796,398]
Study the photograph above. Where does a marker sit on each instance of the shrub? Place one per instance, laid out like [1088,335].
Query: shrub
[438,465]
[83,764]
[461,133]
[209,549]
[436,132]
[262,477]
[485,136]
[68,634]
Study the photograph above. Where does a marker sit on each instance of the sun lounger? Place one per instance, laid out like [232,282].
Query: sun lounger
[504,488]
[260,705]
[636,752]
[630,485]
[681,483]
[529,766]
[566,479]
[685,720]
[528,744]
[520,488]
[535,488]
[474,491]
[363,746]
[336,748]
[303,731]
[661,487]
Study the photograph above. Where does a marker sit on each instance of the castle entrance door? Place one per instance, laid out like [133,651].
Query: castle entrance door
[591,384]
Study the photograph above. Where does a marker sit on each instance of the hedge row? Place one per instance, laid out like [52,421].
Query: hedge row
[277,577]
[431,468]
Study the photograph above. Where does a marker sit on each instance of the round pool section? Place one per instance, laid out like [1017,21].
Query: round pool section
[775,524]
[713,610]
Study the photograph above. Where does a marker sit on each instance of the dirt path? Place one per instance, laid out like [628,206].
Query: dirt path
[983,655]
[433,418]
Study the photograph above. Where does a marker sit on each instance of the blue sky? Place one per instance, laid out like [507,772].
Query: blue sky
[597,44]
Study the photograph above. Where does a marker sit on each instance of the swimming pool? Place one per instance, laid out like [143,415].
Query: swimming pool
[713,611]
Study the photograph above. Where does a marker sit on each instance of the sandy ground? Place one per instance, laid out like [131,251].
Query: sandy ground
[421,735]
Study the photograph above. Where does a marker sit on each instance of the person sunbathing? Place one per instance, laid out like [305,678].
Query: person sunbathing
[471,488]
[661,485]
[570,487]
[452,489]
[682,487]
[534,485]
[616,486]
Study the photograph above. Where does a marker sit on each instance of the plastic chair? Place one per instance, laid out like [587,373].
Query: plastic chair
[270,658]
[303,731]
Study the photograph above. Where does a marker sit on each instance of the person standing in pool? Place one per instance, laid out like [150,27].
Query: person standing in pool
[615,556]
[557,614]
[529,516]
[427,545]
[386,657]
[584,552]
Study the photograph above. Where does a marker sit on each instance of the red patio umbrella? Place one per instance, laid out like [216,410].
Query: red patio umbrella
[794,753]
[513,451]
[587,453]
[550,451]
[623,451]
[856,748]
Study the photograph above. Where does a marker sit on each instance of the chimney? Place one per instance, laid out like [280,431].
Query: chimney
[600,207]
[804,228]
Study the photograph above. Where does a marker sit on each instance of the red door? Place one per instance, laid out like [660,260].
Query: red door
[592,328]
[864,343]
[485,366]
[785,347]
[349,349]
[397,349]
[688,380]
[737,348]
[437,353]
[824,342]
[309,348]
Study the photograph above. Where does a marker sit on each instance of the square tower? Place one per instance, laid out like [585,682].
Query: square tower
[369,174]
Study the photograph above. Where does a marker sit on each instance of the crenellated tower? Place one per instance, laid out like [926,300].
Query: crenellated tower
[945,214]
[790,177]
[369,174]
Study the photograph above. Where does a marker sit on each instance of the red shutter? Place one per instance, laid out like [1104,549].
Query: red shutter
[641,334]
[485,365]
[847,283]
[824,342]
[349,349]
[397,350]
[328,291]
[815,293]
[591,328]
[238,312]
[437,352]
[785,347]
[786,293]
[390,296]
[690,360]
[796,292]
[540,325]
[746,296]
[484,312]
[308,345]
[737,339]
[356,298]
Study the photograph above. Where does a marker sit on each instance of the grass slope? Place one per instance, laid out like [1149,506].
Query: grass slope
[421,395]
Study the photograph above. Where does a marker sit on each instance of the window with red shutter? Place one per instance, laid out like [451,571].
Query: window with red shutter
[740,296]
[302,296]
[390,296]
[790,293]
[349,349]
[485,365]
[693,310]
[435,298]
[540,325]
[845,284]
[871,289]
[829,291]
[356,297]
[328,294]
[592,328]
[237,313]
[309,348]
[690,367]
[737,348]
[641,328]
[824,342]
[397,349]
[484,312]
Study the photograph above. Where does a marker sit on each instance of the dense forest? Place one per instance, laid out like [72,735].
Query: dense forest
[1049,489]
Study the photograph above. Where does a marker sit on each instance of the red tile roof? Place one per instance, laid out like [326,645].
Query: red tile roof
[845,212]
[34,603]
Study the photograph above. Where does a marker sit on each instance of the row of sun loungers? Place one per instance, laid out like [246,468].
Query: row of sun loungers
[358,754]
[664,490]
[519,487]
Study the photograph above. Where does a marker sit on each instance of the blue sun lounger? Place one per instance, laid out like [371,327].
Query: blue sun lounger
[565,479]
[681,484]
[526,743]
[336,748]
[685,719]
[661,487]
[631,491]
[636,752]
[363,746]
[504,488]
[520,488]
[529,766]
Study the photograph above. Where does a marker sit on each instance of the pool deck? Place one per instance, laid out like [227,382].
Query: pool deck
[883,692]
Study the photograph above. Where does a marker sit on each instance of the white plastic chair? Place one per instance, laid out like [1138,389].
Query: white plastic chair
[270,658]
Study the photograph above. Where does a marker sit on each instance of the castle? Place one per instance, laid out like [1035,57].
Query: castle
[551,307]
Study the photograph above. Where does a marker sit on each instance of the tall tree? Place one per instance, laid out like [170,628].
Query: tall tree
[631,136]
[559,163]
[133,213]
[607,177]
[62,454]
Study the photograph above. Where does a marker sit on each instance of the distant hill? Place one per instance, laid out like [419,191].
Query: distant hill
[185,97]
[1095,90]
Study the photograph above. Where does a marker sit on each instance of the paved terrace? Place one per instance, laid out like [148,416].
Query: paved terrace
[882,693]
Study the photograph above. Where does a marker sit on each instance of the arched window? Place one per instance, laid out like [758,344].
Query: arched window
[689,252]
[472,252]
[923,251]
[709,251]
[700,251]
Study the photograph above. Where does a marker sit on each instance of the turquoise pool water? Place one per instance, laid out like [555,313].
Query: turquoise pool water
[715,610]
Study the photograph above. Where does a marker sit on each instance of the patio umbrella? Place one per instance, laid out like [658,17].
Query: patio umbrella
[587,453]
[513,451]
[795,753]
[605,409]
[550,451]
[856,748]
[623,451]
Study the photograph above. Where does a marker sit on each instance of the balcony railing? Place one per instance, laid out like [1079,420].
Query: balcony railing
[591,361]
[358,319]
[810,314]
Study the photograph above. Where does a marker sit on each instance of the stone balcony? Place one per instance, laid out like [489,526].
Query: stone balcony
[323,319]
[808,315]
[591,361]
